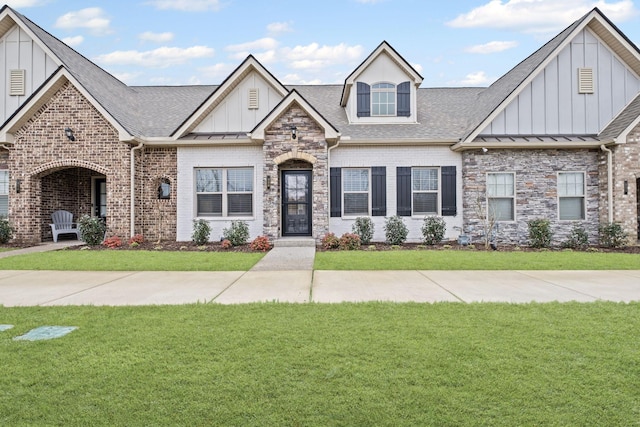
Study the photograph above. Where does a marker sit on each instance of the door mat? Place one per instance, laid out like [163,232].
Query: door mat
[5,327]
[46,333]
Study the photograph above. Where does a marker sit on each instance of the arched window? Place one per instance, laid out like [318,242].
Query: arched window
[383,99]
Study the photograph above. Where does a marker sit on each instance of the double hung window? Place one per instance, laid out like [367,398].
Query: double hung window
[501,196]
[224,192]
[355,190]
[571,196]
[424,186]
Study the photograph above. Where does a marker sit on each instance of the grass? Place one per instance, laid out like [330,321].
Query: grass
[133,261]
[307,364]
[474,260]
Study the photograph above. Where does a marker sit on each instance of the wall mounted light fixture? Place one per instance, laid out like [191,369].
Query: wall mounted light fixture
[268,182]
[484,150]
[294,131]
[626,187]
[69,133]
[18,185]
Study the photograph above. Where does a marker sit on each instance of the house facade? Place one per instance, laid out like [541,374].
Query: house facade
[557,137]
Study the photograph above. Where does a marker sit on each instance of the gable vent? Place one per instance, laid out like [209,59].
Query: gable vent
[253,98]
[17,82]
[585,80]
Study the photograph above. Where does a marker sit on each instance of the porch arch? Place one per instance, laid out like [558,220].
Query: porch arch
[295,155]
[69,163]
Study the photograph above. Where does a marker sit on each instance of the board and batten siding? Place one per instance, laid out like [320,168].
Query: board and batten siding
[233,113]
[19,52]
[551,104]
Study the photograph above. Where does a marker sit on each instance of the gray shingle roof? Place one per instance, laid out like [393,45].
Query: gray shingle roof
[630,113]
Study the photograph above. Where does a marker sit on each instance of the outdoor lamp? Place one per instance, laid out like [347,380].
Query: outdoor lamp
[69,134]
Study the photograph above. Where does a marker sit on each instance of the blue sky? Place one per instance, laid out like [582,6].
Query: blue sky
[178,42]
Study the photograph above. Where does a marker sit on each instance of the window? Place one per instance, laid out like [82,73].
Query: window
[501,196]
[571,195]
[224,192]
[4,193]
[424,185]
[164,189]
[383,99]
[355,190]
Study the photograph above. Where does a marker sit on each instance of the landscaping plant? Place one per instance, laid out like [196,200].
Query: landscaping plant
[201,231]
[540,233]
[395,230]
[433,229]
[363,227]
[92,229]
[112,242]
[577,239]
[237,234]
[6,230]
[330,241]
[350,242]
[260,243]
[612,235]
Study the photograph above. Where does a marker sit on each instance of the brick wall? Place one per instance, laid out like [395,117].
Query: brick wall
[626,161]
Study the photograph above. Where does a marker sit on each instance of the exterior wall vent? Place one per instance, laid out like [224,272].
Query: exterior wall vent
[253,99]
[585,80]
[16,84]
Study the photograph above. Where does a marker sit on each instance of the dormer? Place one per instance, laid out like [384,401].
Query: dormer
[382,89]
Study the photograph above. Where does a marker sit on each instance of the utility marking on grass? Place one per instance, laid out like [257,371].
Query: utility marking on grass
[46,333]
[5,327]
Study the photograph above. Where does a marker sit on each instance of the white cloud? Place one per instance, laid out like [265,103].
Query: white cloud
[187,5]
[149,36]
[315,56]
[73,41]
[25,3]
[217,72]
[265,43]
[279,28]
[478,78]
[491,47]
[295,79]
[92,19]
[158,58]
[539,16]
[127,77]
[417,67]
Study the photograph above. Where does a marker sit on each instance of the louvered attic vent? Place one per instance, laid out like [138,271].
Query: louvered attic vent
[17,82]
[253,99]
[585,80]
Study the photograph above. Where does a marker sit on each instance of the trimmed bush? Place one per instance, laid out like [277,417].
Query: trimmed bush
[226,244]
[6,230]
[260,243]
[577,239]
[350,242]
[612,235]
[201,231]
[138,239]
[395,230]
[540,233]
[363,227]
[433,229]
[112,242]
[330,241]
[92,229]
[237,234]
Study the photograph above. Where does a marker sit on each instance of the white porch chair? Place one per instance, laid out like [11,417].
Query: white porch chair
[63,224]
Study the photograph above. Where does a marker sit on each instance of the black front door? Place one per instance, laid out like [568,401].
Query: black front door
[296,203]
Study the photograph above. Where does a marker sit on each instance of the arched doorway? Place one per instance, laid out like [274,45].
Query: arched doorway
[296,198]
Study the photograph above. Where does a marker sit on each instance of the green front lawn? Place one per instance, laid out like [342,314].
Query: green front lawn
[474,260]
[320,365]
[132,261]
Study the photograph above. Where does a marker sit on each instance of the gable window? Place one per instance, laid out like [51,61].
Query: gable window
[224,191]
[501,196]
[424,185]
[571,196]
[4,193]
[355,190]
[383,99]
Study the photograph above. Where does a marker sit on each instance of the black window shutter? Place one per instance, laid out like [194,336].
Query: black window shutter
[364,100]
[378,191]
[403,178]
[449,191]
[335,188]
[404,99]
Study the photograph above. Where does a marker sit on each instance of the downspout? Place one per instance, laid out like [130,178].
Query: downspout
[133,181]
[329,176]
[609,181]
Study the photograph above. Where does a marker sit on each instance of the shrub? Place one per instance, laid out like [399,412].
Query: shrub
[577,239]
[433,229]
[112,242]
[395,230]
[350,241]
[612,235]
[540,233]
[237,234]
[260,243]
[201,231]
[6,230]
[226,244]
[137,239]
[92,229]
[363,227]
[330,241]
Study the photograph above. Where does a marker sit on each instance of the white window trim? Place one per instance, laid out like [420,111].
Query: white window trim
[7,193]
[351,216]
[584,195]
[385,90]
[438,192]
[515,193]
[225,203]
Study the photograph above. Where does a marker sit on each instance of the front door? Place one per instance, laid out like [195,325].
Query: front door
[100,198]
[296,203]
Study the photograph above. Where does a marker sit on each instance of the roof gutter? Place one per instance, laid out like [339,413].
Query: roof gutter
[133,192]
[609,182]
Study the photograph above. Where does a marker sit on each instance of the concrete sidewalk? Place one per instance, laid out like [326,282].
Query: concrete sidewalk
[45,288]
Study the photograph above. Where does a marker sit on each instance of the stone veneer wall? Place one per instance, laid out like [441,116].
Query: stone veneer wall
[310,142]
[156,218]
[41,148]
[626,161]
[536,190]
